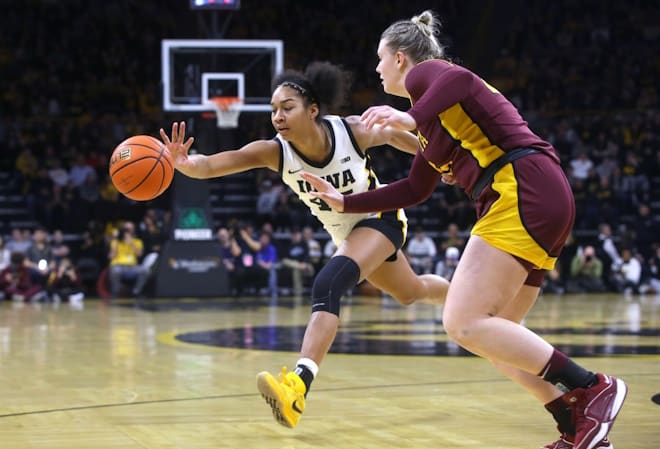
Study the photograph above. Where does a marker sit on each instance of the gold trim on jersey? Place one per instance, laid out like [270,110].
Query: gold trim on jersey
[458,123]
[444,168]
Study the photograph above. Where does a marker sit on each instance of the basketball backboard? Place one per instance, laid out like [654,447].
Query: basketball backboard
[195,70]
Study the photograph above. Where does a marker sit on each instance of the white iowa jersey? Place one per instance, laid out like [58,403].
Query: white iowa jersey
[346,168]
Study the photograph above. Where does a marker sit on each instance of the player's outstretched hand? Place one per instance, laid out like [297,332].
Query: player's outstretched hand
[325,191]
[388,116]
[179,149]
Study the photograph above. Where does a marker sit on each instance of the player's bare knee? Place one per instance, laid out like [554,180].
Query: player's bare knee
[404,299]
[458,327]
[411,292]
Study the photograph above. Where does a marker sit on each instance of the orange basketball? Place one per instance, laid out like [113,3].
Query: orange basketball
[141,168]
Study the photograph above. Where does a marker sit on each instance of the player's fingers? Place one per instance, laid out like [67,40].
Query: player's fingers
[308,176]
[368,114]
[189,143]
[336,202]
[163,135]
[182,131]
[371,121]
[367,117]
[175,131]
[315,181]
[378,117]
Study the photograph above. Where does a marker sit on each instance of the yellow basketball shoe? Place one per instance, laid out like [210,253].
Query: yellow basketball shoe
[286,395]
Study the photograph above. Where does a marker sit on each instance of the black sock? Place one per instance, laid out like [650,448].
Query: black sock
[562,415]
[566,374]
[306,375]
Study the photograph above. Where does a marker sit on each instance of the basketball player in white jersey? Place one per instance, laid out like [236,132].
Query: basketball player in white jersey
[369,245]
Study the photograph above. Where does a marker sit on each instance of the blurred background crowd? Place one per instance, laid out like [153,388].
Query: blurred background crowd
[80,77]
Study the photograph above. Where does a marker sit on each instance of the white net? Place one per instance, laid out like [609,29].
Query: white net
[227,110]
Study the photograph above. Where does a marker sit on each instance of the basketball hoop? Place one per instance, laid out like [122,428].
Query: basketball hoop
[227,110]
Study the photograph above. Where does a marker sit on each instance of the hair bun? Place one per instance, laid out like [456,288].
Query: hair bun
[424,19]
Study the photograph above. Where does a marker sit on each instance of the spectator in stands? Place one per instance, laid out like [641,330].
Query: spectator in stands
[628,276]
[447,265]
[267,200]
[153,236]
[80,171]
[125,252]
[266,263]
[248,239]
[586,272]
[64,282]
[421,252]
[230,252]
[296,260]
[59,248]
[19,241]
[581,165]
[607,252]
[608,168]
[453,238]
[16,282]
[39,258]
[244,259]
[58,173]
[260,270]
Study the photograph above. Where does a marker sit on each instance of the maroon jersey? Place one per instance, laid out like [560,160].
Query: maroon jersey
[463,125]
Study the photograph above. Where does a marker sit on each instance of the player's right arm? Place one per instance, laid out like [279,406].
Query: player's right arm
[257,154]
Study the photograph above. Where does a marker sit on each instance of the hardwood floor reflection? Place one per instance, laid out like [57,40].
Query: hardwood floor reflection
[181,374]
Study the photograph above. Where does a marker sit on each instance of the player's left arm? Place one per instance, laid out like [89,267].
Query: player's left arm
[379,135]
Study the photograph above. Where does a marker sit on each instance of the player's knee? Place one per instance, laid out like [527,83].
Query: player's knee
[404,297]
[410,291]
[339,275]
[457,326]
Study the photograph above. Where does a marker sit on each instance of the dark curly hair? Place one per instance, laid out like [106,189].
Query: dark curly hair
[322,83]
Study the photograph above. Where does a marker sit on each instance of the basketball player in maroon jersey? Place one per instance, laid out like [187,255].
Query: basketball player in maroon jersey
[471,134]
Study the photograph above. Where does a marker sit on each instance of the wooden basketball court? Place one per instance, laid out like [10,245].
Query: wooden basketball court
[180,374]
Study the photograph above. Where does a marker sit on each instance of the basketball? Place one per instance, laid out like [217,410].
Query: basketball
[141,168]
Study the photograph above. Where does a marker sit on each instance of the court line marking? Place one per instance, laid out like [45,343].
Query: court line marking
[246,395]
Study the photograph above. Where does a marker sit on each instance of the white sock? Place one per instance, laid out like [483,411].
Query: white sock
[310,364]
